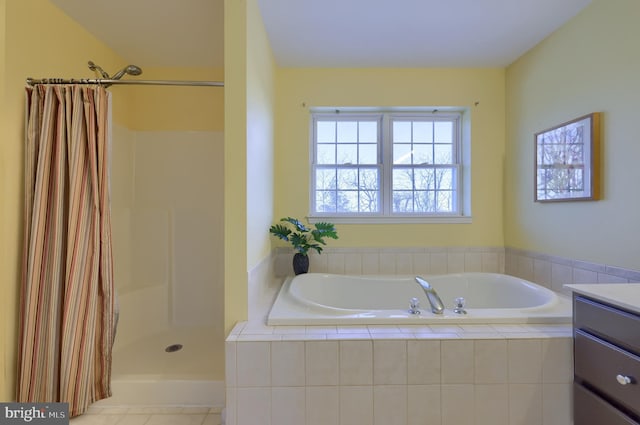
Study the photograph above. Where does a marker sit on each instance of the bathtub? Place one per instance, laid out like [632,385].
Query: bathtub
[327,299]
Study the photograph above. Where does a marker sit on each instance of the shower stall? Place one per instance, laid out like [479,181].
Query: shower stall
[167,265]
[167,224]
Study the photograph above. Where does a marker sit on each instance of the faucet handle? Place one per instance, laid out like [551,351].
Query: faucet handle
[459,306]
[414,306]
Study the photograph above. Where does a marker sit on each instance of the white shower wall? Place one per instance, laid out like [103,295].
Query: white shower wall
[167,231]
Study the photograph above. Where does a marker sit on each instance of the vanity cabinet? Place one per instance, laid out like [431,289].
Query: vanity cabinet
[606,363]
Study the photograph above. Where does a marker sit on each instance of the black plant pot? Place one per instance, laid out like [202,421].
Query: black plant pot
[300,263]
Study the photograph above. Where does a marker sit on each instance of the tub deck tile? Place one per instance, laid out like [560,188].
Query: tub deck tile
[396,336]
[477,328]
[414,328]
[445,328]
[529,335]
[506,328]
[355,329]
[321,330]
[381,329]
[261,332]
[257,328]
[289,330]
[258,337]
[436,335]
[304,337]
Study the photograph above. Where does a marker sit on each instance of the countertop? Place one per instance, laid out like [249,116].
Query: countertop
[624,295]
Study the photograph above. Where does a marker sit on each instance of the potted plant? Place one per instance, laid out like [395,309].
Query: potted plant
[303,238]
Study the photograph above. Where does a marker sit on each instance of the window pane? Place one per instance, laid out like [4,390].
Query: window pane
[443,154]
[425,179]
[368,132]
[347,201]
[326,154]
[423,154]
[325,179]
[326,131]
[326,201]
[348,179]
[423,131]
[444,201]
[347,154]
[401,153]
[369,179]
[444,179]
[347,132]
[403,179]
[424,201]
[401,132]
[402,201]
[368,154]
[369,201]
[443,131]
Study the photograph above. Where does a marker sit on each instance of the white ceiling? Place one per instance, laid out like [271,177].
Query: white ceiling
[330,33]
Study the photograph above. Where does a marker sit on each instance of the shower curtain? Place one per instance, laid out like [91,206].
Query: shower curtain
[67,294]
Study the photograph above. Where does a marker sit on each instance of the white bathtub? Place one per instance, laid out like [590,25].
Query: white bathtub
[326,299]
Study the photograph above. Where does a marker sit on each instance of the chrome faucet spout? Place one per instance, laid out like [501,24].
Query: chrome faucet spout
[437,307]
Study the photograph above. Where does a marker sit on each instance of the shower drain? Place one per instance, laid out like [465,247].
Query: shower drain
[173,348]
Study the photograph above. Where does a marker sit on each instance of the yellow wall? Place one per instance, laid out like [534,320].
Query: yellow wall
[235,168]
[249,105]
[300,89]
[260,111]
[591,64]
[191,108]
[38,40]
[7,270]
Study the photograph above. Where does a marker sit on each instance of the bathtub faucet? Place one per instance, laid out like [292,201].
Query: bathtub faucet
[436,303]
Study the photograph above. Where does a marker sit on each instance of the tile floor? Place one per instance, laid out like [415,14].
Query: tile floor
[149,416]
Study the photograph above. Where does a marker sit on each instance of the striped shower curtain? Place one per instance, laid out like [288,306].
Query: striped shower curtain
[67,294]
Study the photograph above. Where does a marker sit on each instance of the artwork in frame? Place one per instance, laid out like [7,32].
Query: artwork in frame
[567,159]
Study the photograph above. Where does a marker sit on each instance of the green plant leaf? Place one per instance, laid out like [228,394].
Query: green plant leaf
[299,242]
[301,227]
[280,231]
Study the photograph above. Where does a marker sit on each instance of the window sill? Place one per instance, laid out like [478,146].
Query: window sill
[449,219]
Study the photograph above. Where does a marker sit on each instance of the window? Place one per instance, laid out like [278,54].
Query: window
[386,165]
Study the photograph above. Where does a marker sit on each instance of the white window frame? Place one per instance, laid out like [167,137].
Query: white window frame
[385,155]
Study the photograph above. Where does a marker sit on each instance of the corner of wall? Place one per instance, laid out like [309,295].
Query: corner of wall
[263,287]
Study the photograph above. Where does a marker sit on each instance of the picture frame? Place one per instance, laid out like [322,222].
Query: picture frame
[567,161]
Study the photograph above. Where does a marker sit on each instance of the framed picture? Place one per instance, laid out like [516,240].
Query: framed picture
[567,159]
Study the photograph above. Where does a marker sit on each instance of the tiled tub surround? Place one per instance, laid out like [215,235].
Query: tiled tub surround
[385,375]
[554,272]
[391,261]
[406,375]
[546,270]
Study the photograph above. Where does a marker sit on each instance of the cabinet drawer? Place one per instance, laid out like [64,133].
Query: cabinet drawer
[599,363]
[616,326]
[589,409]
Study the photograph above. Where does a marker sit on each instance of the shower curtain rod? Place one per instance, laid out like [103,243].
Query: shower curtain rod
[108,82]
